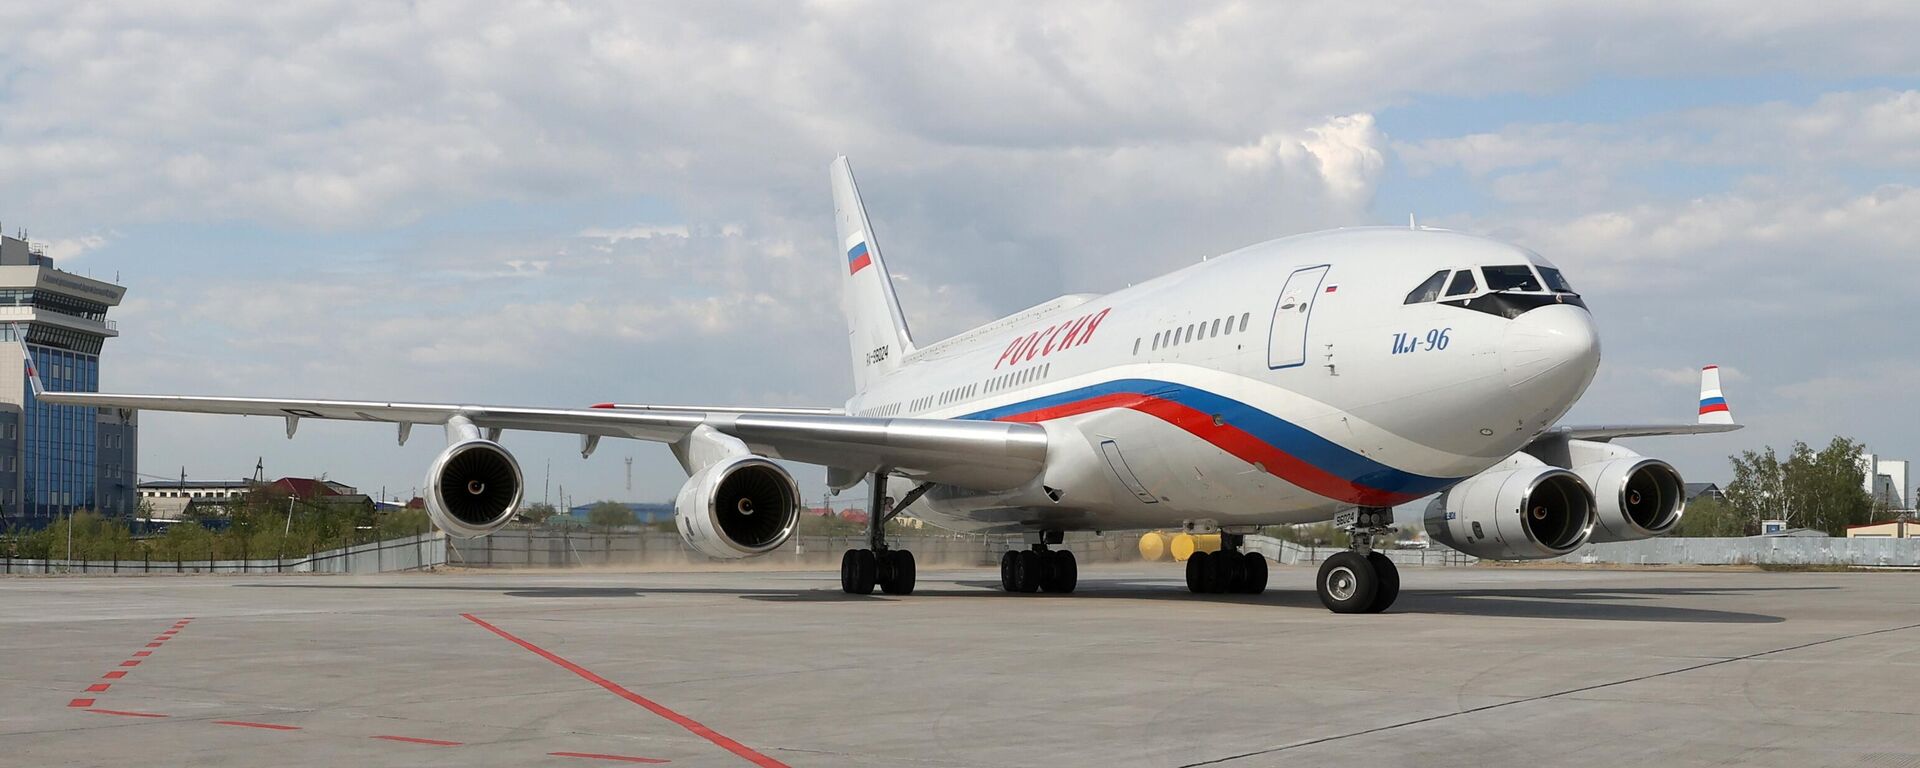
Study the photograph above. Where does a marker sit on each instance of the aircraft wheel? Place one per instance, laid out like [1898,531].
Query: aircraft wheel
[1028,570]
[1226,573]
[1063,571]
[848,568]
[1254,581]
[1347,583]
[865,571]
[1199,576]
[1389,582]
[901,575]
[1006,570]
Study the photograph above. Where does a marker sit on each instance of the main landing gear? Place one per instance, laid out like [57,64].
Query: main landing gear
[1038,569]
[1228,571]
[1360,580]
[891,570]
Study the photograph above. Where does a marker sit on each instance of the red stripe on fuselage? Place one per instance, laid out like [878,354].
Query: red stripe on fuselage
[1228,438]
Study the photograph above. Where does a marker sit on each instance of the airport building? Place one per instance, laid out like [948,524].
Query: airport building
[55,460]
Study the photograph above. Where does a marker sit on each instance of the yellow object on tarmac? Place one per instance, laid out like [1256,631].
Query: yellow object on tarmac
[1185,544]
[1154,546]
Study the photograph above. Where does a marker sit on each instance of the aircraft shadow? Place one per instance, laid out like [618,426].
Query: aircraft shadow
[1594,604]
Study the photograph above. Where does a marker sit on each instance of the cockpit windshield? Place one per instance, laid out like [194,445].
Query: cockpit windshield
[1556,281]
[1428,290]
[1515,277]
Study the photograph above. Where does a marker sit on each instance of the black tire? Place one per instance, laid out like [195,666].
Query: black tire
[1255,579]
[1226,567]
[1199,575]
[1389,575]
[866,569]
[901,575]
[848,568]
[1064,571]
[1347,583]
[1028,571]
[1006,570]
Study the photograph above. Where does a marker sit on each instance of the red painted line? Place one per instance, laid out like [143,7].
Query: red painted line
[142,654]
[123,714]
[114,675]
[170,633]
[268,726]
[156,644]
[615,758]
[130,663]
[82,703]
[693,726]
[99,687]
[428,742]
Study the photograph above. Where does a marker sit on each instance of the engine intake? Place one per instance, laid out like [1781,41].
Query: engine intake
[1530,513]
[473,488]
[1636,498]
[739,507]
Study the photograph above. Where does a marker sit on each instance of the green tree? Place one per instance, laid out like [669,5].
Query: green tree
[609,514]
[538,513]
[1810,489]
[1711,517]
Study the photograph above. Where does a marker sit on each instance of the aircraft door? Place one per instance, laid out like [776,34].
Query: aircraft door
[1287,346]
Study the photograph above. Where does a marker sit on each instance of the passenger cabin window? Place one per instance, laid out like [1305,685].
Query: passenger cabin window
[1515,277]
[1463,283]
[1556,281]
[1243,321]
[1428,290]
[1216,329]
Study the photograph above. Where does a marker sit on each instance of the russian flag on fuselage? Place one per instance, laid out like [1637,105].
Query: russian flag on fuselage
[857,258]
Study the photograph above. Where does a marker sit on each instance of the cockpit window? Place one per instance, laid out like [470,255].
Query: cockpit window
[1517,277]
[1556,281]
[1429,290]
[1463,283]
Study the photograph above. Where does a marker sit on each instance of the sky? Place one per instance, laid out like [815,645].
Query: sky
[558,204]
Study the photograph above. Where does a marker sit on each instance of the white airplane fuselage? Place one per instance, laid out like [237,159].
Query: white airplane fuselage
[1279,383]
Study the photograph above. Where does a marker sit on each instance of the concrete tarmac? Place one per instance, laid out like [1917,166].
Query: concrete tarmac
[1474,667]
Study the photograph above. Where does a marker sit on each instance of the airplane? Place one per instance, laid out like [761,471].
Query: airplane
[1331,375]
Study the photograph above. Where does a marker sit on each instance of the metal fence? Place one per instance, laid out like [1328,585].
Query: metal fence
[407,553]
[538,548]
[1755,550]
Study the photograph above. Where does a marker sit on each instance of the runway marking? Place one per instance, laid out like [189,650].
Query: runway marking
[122,713]
[615,758]
[138,656]
[417,740]
[99,687]
[1544,696]
[114,675]
[268,726]
[80,703]
[130,663]
[142,654]
[692,726]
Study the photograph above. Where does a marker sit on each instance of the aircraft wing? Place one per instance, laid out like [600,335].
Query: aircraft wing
[972,454]
[1715,417]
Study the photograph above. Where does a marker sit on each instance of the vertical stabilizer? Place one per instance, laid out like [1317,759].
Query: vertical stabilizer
[876,331]
[1713,403]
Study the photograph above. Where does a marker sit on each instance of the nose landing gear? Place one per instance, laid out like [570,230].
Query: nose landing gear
[1360,580]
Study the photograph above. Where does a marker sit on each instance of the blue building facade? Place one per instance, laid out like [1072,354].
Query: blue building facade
[57,459]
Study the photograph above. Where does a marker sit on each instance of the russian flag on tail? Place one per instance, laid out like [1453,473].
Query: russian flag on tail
[858,258]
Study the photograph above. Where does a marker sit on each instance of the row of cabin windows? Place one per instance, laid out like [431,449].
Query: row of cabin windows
[959,394]
[1017,378]
[1196,331]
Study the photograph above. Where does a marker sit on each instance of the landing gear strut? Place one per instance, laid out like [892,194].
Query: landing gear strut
[1360,580]
[892,570]
[1038,569]
[1228,571]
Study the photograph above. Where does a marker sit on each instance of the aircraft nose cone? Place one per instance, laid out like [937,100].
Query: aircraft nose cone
[1549,356]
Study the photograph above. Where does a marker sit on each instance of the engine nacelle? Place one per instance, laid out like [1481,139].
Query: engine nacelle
[1634,498]
[1528,513]
[738,507]
[473,488]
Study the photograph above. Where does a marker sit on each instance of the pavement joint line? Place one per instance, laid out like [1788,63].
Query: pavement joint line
[613,758]
[691,725]
[1559,694]
[124,713]
[251,724]
[418,740]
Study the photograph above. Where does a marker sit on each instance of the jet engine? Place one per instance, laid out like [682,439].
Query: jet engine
[473,488]
[739,507]
[1635,498]
[1527,513]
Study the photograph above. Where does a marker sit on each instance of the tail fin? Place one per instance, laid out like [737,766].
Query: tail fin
[876,331]
[1713,404]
